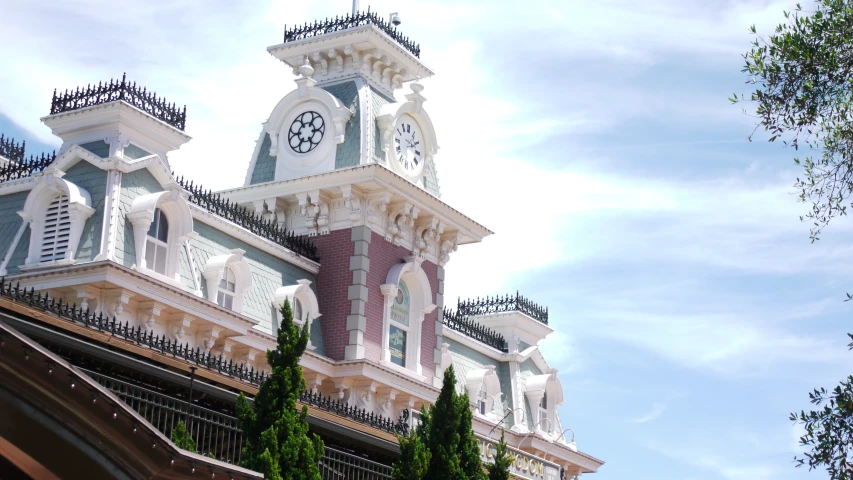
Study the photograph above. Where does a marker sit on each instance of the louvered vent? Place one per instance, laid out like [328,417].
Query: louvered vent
[57,229]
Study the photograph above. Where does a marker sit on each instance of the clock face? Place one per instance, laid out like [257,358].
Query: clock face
[306,132]
[408,145]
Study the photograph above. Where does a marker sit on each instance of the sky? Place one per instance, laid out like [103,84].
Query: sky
[691,312]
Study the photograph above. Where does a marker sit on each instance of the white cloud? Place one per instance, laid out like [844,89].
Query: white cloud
[653,414]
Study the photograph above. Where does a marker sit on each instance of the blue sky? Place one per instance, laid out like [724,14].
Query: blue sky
[596,140]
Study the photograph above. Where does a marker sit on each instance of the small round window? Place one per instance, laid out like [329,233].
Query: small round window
[306,132]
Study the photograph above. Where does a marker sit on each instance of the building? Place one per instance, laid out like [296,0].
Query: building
[140,286]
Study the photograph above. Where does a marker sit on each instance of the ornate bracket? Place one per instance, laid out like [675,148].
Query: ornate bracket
[376,208]
[147,311]
[315,206]
[401,221]
[449,244]
[353,199]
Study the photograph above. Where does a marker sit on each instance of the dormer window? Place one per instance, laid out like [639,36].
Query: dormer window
[228,278]
[57,230]
[56,210]
[157,245]
[162,223]
[227,288]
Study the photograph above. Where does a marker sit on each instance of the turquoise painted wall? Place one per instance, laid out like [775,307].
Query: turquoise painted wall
[268,272]
[466,359]
[10,222]
[264,170]
[133,184]
[99,148]
[133,152]
[93,180]
[348,153]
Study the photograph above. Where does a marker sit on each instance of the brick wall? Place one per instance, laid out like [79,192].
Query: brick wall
[332,281]
[383,255]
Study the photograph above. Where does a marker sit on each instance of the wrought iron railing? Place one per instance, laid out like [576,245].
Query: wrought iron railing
[137,335]
[24,168]
[196,356]
[220,435]
[467,326]
[507,303]
[123,90]
[337,465]
[350,21]
[11,150]
[333,405]
[269,229]
[214,433]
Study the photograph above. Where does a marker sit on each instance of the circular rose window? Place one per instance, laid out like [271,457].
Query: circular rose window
[306,132]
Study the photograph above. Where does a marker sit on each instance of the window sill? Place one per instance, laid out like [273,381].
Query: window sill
[403,370]
[52,263]
[164,278]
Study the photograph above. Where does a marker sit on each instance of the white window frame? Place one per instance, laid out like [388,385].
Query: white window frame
[216,268]
[483,385]
[50,186]
[302,292]
[540,386]
[157,242]
[173,204]
[224,293]
[420,304]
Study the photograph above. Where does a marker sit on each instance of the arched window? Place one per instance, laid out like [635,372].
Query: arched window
[297,310]
[543,419]
[484,390]
[398,328]
[407,299]
[482,400]
[162,222]
[228,279]
[57,230]
[544,394]
[157,246]
[227,288]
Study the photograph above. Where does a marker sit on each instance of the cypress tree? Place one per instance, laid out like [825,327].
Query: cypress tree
[500,469]
[470,465]
[277,441]
[443,446]
[414,455]
[443,433]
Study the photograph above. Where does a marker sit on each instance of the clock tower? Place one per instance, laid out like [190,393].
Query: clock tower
[343,112]
[348,158]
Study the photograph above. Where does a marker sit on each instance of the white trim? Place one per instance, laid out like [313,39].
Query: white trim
[486,381]
[50,185]
[307,97]
[174,206]
[214,271]
[372,174]
[109,225]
